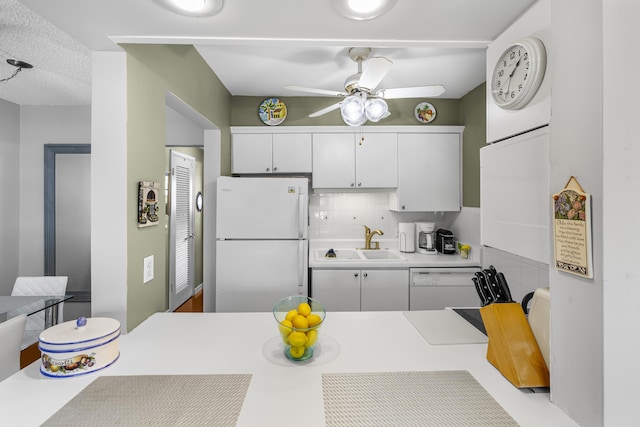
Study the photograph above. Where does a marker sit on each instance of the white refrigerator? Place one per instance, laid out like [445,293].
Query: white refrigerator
[261,242]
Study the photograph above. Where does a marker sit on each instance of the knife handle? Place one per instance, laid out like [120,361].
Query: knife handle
[485,288]
[483,299]
[502,281]
[493,285]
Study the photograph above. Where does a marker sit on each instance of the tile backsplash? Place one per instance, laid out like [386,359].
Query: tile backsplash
[523,274]
[343,215]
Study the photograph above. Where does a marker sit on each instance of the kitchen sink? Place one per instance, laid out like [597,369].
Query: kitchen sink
[341,254]
[381,255]
[357,255]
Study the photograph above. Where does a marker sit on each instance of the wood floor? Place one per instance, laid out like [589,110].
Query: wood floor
[192,305]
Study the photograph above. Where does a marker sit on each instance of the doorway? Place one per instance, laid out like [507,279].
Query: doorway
[67,221]
[181,229]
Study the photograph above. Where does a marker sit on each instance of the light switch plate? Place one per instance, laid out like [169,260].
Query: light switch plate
[148,269]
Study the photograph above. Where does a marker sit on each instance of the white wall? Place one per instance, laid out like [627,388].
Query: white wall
[576,340]
[41,125]
[621,153]
[108,179]
[180,130]
[9,194]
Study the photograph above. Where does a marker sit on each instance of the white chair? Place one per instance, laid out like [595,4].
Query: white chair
[34,286]
[11,336]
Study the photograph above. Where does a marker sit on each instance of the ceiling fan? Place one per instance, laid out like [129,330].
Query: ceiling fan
[362,101]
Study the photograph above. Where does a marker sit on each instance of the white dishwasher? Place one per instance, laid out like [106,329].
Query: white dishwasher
[438,288]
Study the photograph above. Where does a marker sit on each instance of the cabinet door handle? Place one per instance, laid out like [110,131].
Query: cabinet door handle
[402,207]
[267,169]
[275,169]
[355,274]
[365,275]
[359,184]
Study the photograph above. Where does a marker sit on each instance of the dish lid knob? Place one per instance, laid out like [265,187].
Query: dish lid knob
[81,321]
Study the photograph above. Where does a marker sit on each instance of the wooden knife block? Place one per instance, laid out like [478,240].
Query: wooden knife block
[513,349]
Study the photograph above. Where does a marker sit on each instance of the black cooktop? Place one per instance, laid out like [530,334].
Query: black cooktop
[472,315]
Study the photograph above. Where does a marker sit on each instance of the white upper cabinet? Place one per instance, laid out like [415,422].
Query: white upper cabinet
[334,160]
[377,160]
[256,153]
[429,178]
[347,160]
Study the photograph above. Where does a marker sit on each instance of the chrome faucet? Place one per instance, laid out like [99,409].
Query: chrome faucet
[368,235]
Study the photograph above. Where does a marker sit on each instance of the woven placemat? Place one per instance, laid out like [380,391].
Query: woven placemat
[435,398]
[156,400]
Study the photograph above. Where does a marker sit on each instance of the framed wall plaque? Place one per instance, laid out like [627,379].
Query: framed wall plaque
[572,230]
[148,194]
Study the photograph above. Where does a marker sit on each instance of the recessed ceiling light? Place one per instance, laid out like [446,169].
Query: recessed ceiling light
[363,9]
[196,8]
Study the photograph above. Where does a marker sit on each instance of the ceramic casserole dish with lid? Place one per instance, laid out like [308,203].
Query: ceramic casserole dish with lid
[79,346]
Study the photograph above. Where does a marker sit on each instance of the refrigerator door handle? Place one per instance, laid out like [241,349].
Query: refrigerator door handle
[301,219]
[300,267]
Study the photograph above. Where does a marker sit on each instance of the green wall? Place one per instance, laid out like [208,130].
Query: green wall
[244,112]
[469,111]
[473,113]
[152,70]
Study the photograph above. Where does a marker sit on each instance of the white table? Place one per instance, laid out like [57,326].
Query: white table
[248,343]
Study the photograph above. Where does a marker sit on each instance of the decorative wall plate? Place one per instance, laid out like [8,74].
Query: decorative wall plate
[424,112]
[272,111]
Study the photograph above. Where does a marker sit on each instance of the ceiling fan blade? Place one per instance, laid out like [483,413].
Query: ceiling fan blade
[377,68]
[316,91]
[411,92]
[326,110]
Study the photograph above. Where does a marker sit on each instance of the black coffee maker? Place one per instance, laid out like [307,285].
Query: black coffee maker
[445,241]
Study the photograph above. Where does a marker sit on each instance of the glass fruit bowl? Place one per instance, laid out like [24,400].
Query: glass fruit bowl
[299,319]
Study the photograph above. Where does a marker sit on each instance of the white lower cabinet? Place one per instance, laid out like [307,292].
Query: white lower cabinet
[384,290]
[356,290]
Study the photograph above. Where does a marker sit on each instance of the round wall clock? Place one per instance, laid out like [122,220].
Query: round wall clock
[518,73]
[272,111]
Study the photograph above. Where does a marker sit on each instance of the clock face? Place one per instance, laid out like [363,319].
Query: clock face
[518,73]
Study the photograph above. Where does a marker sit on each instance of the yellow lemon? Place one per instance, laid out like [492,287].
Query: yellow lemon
[285,327]
[300,322]
[291,314]
[304,309]
[296,351]
[297,338]
[312,337]
[313,320]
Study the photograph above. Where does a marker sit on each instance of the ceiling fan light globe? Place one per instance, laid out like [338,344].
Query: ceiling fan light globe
[352,110]
[354,121]
[376,109]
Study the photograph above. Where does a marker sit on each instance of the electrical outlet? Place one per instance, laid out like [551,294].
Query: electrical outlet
[148,269]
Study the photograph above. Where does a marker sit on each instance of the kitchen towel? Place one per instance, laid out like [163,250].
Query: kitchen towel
[433,398]
[156,400]
[444,327]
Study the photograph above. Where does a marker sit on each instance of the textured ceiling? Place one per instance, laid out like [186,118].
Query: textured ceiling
[61,73]
[255,47]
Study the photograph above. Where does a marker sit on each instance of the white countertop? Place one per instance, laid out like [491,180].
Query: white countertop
[411,259]
[249,343]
